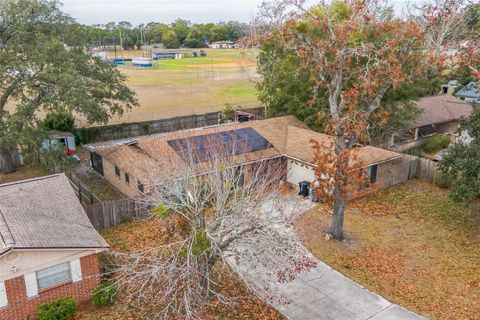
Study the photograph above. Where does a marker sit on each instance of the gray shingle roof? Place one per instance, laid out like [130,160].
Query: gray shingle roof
[471,90]
[441,109]
[44,213]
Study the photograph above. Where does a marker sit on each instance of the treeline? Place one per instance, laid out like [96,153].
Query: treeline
[181,33]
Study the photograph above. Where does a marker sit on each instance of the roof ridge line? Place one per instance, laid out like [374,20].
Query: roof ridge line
[30,180]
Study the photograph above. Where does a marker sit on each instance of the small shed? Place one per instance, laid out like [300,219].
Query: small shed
[64,138]
[102,55]
[450,87]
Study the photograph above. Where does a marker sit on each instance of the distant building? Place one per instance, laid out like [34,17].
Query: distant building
[439,114]
[470,93]
[103,55]
[167,55]
[450,87]
[142,62]
[48,247]
[223,45]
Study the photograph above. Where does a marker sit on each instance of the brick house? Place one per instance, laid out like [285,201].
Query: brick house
[130,164]
[48,247]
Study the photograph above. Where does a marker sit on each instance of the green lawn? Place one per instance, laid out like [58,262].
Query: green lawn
[221,60]
[239,89]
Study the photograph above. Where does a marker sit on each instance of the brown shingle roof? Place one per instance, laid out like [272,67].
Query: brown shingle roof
[288,135]
[441,109]
[45,213]
[299,147]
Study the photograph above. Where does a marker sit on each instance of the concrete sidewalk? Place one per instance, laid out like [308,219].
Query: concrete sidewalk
[324,293]
[319,294]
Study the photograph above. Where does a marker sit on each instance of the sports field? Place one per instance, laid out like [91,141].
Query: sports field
[191,85]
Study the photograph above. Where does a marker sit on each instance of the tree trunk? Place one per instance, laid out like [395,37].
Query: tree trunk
[339,199]
[339,205]
[204,269]
[6,162]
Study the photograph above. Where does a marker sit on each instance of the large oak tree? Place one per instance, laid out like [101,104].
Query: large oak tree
[354,52]
[40,74]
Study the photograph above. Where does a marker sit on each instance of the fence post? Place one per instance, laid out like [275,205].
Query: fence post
[79,193]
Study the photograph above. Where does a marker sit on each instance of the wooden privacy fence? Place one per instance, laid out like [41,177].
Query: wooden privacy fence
[84,194]
[105,214]
[426,170]
[409,167]
[128,130]
[112,213]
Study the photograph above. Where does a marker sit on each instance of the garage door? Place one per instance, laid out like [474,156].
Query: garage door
[298,171]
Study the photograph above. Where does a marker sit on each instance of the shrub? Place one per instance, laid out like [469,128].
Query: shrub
[104,294]
[436,143]
[62,121]
[161,211]
[107,264]
[442,180]
[62,309]
[228,113]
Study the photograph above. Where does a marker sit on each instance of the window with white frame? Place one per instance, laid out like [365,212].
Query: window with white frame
[3,295]
[53,275]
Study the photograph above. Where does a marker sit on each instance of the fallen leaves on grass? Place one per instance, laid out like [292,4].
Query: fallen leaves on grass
[243,305]
[411,244]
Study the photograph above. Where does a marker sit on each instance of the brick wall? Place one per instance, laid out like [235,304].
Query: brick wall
[21,307]
[129,190]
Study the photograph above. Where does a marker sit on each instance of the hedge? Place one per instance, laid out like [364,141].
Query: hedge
[63,309]
[436,143]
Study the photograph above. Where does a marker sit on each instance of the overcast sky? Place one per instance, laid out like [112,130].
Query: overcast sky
[143,11]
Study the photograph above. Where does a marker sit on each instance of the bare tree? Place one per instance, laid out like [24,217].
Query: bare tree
[451,43]
[444,23]
[212,203]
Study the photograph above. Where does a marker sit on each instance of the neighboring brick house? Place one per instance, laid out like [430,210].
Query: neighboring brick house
[130,165]
[48,247]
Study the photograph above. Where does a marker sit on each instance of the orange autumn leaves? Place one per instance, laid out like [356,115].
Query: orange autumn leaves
[339,168]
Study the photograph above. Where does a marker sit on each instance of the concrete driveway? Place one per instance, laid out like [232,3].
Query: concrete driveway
[319,294]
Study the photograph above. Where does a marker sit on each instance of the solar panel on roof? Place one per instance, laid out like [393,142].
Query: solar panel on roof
[206,147]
